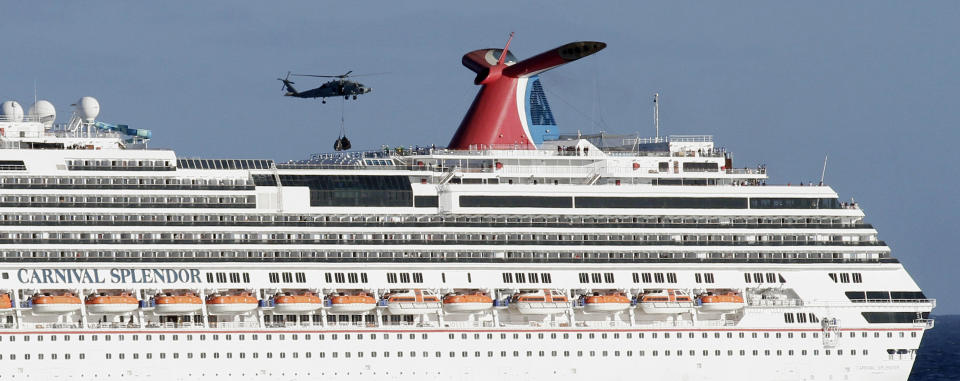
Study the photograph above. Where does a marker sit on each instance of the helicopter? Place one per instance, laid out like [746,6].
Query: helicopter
[340,86]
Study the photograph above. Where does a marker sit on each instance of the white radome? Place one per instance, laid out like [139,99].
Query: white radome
[12,111]
[44,112]
[88,108]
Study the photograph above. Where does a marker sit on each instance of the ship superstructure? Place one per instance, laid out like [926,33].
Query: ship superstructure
[544,257]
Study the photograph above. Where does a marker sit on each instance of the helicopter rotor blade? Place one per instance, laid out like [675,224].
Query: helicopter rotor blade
[369,74]
[348,74]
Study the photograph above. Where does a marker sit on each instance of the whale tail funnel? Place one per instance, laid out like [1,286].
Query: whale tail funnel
[511,111]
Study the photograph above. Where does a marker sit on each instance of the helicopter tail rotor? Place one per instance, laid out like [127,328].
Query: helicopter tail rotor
[287,85]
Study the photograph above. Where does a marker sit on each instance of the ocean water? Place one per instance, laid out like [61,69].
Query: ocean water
[939,355]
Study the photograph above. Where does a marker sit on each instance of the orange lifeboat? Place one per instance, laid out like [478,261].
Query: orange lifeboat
[472,302]
[231,304]
[540,302]
[102,303]
[173,304]
[412,302]
[610,302]
[48,303]
[297,303]
[665,302]
[352,304]
[5,303]
[727,301]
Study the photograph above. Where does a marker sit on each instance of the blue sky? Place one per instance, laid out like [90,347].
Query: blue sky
[873,84]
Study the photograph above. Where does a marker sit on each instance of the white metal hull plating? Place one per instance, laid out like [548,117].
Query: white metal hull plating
[441,358]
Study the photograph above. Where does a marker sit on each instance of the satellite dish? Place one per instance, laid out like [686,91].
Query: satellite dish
[43,112]
[88,108]
[12,111]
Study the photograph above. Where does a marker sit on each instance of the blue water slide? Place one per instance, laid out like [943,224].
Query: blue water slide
[124,129]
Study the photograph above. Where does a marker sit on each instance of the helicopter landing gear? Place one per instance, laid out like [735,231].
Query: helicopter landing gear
[354,97]
[346,97]
[324,101]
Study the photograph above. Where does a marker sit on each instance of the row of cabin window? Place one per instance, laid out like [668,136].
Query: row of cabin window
[703,277]
[40,356]
[287,277]
[433,255]
[12,165]
[221,277]
[224,164]
[527,278]
[800,317]
[113,182]
[654,277]
[465,354]
[464,336]
[203,355]
[846,277]
[404,277]
[143,201]
[764,278]
[360,238]
[86,163]
[345,277]
[564,221]
[596,277]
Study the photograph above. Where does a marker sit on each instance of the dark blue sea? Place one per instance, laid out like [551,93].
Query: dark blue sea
[939,355]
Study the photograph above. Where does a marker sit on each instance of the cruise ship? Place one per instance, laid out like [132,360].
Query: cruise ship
[515,252]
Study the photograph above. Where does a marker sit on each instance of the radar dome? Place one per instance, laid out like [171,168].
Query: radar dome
[44,112]
[88,108]
[11,111]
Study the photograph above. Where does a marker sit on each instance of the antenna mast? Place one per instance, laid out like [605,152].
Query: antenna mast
[824,171]
[656,114]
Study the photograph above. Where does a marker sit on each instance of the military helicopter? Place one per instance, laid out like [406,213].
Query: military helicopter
[340,86]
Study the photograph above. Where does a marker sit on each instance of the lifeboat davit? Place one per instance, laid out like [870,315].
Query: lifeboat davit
[611,302]
[665,302]
[48,303]
[473,302]
[540,302]
[103,303]
[728,301]
[231,304]
[352,304]
[297,303]
[6,304]
[412,302]
[172,304]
